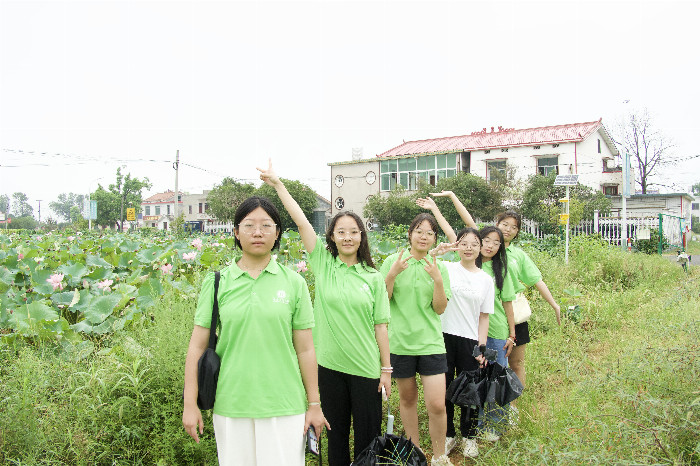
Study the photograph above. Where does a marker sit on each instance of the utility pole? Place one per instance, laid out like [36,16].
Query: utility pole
[39,211]
[176,166]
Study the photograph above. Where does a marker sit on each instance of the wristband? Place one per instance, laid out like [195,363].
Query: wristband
[315,403]
[482,348]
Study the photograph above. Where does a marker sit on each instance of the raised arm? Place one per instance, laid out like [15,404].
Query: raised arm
[461,210]
[429,203]
[306,230]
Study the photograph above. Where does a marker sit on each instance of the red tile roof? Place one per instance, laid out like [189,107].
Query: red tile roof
[161,197]
[497,138]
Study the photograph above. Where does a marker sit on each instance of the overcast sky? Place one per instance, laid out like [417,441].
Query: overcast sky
[86,87]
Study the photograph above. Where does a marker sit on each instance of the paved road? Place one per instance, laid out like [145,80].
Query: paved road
[694,259]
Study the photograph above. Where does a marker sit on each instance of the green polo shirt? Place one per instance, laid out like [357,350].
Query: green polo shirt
[524,271]
[349,302]
[259,375]
[415,327]
[498,322]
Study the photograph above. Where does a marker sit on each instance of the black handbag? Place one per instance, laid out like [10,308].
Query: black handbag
[209,362]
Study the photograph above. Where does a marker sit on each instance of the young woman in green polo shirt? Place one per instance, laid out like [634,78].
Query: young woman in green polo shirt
[525,273]
[352,311]
[419,287]
[267,392]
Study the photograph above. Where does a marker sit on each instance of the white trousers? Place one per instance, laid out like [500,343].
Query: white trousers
[272,441]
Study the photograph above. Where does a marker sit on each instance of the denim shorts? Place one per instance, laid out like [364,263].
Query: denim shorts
[408,365]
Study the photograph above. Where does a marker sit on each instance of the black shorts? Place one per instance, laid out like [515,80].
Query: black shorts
[522,333]
[407,365]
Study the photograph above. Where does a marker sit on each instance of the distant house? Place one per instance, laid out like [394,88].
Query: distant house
[157,211]
[578,148]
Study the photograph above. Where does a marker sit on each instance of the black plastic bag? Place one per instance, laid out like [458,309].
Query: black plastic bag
[493,384]
[468,389]
[390,449]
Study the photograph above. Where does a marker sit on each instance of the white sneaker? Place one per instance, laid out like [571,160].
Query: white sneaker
[490,436]
[470,448]
[450,443]
[441,461]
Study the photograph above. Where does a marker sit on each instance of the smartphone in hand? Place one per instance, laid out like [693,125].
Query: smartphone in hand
[312,440]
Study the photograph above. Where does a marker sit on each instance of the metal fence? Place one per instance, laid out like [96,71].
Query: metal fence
[609,228]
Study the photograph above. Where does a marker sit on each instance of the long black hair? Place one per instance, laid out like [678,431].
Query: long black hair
[363,254]
[511,214]
[499,262]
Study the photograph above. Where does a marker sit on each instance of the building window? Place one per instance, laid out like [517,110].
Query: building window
[493,167]
[190,208]
[695,206]
[599,146]
[206,206]
[148,210]
[157,210]
[610,190]
[407,172]
[167,208]
[547,165]
[200,207]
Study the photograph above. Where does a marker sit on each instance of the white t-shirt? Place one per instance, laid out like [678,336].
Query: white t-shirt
[472,294]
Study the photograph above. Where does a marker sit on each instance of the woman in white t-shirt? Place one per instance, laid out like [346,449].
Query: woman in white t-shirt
[465,325]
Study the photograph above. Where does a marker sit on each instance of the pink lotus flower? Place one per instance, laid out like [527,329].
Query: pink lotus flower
[167,269]
[197,243]
[71,238]
[55,280]
[86,284]
[216,244]
[188,256]
[104,285]
[20,256]
[301,266]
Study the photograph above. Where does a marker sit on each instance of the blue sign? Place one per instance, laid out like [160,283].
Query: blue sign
[93,210]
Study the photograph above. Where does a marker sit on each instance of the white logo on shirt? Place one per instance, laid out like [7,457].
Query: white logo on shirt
[365,288]
[281,297]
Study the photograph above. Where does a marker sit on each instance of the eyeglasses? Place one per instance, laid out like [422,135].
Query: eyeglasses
[343,233]
[506,226]
[487,241]
[469,245]
[429,233]
[251,228]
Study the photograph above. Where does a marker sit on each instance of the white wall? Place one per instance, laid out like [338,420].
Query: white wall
[355,189]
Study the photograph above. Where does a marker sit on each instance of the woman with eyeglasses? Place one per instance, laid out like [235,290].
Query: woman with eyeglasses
[267,393]
[465,322]
[525,273]
[351,308]
[419,288]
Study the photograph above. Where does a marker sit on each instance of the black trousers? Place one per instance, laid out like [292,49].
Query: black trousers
[342,396]
[460,358]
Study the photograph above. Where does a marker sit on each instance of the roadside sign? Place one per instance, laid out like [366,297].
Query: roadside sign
[131,214]
[566,180]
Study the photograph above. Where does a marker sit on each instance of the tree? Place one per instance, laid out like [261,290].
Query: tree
[541,202]
[481,198]
[648,147]
[128,190]
[20,206]
[107,207]
[303,194]
[4,203]
[63,205]
[695,189]
[225,198]
[398,208]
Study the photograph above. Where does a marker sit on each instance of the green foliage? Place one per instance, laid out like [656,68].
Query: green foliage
[24,223]
[4,204]
[20,206]
[66,205]
[695,222]
[225,198]
[303,194]
[649,246]
[399,207]
[482,199]
[395,209]
[541,202]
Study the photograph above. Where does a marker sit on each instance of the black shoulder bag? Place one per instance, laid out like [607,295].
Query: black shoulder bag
[209,363]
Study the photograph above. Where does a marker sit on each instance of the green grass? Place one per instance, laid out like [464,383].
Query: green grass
[620,386]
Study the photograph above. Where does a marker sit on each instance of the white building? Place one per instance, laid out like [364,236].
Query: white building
[585,149]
